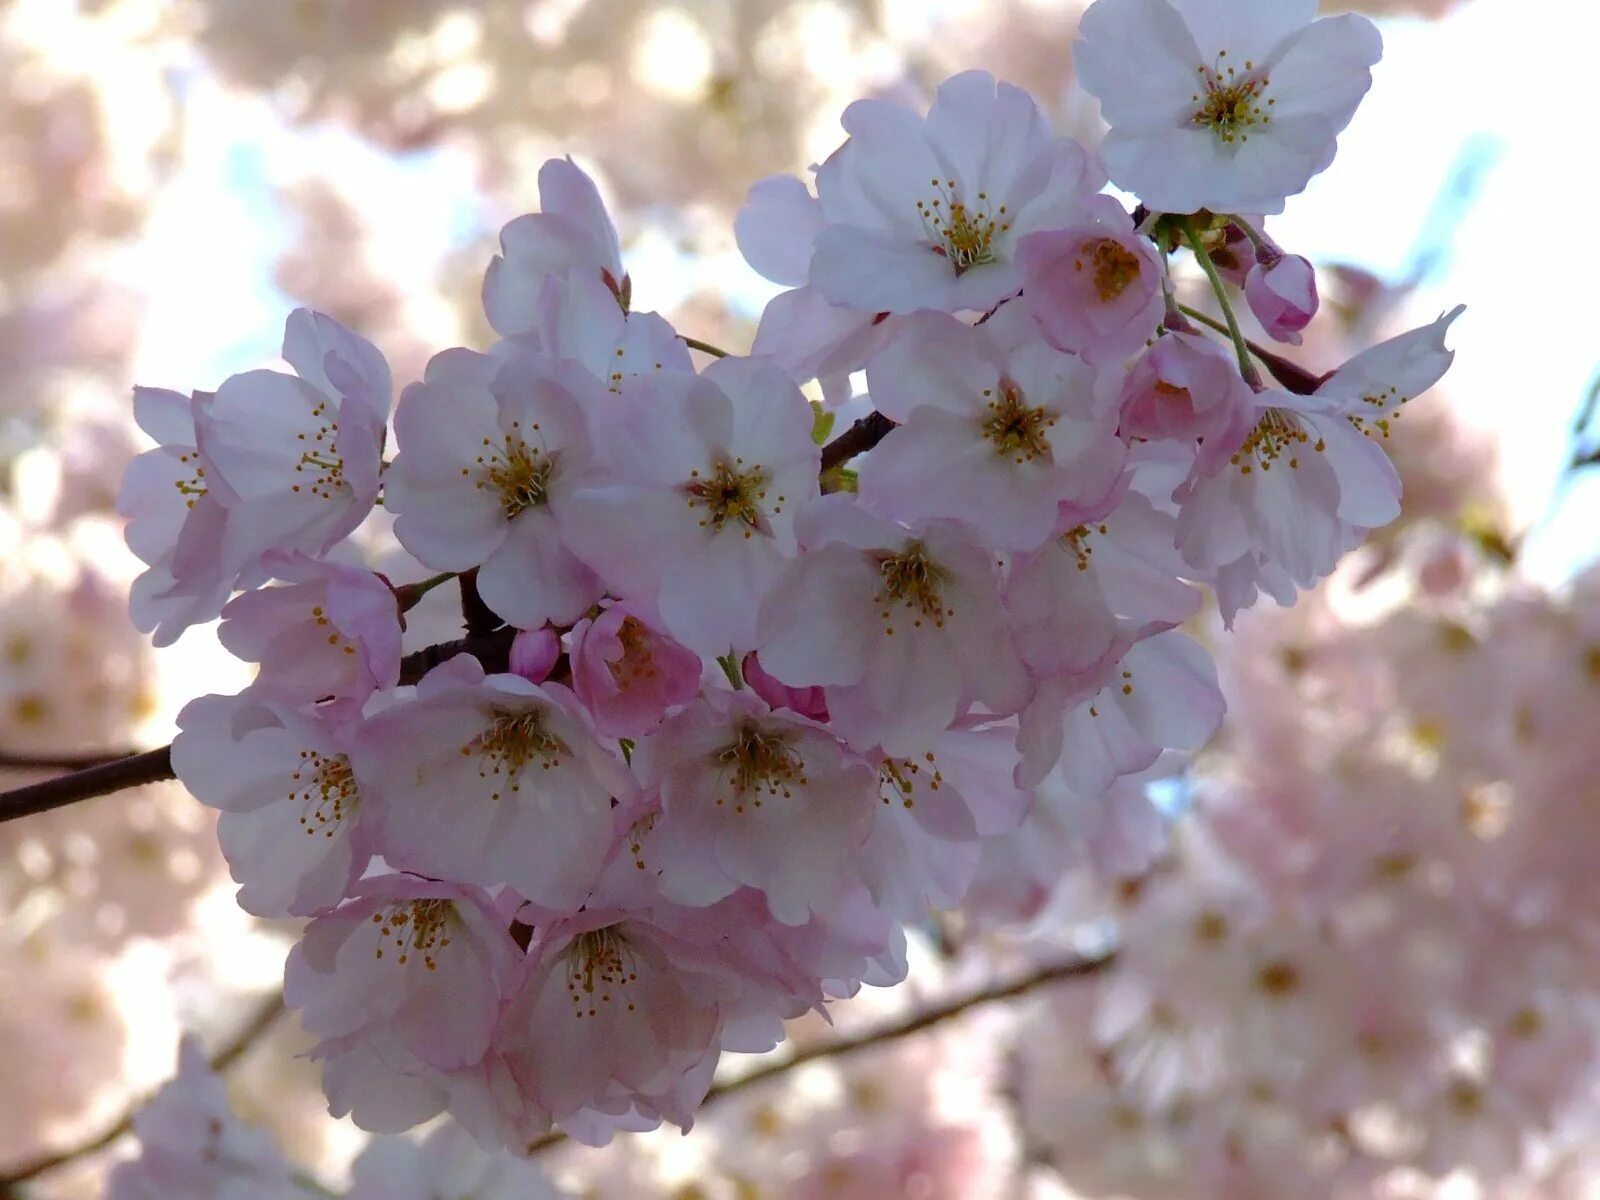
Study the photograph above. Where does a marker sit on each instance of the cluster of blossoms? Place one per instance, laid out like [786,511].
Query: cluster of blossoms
[738,703]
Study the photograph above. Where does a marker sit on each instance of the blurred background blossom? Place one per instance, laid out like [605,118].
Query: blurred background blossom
[175,175]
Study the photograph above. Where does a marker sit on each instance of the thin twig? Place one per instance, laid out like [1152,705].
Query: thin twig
[703,347]
[1292,375]
[1075,968]
[858,439]
[229,1053]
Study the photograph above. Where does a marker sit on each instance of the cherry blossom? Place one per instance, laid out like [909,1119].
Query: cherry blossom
[706,475]
[1231,107]
[493,780]
[1015,433]
[295,825]
[423,961]
[902,628]
[926,213]
[1094,286]
[479,475]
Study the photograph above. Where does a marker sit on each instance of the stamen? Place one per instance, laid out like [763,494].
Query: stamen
[963,233]
[598,964]
[1232,103]
[912,579]
[734,494]
[325,786]
[1017,431]
[759,762]
[520,473]
[513,742]
[422,926]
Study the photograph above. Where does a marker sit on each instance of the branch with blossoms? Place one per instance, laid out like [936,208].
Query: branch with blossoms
[728,717]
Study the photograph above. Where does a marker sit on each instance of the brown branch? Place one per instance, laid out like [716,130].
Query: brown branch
[61,762]
[136,769]
[493,650]
[858,439]
[480,618]
[1072,969]
[230,1052]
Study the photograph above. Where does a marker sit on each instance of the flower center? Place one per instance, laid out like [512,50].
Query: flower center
[963,233]
[758,762]
[732,495]
[325,787]
[1017,431]
[1115,267]
[520,473]
[422,926]
[598,964]
[638,661]
[1232,103]
[1277,434]
[513,742]
[913,580]
[326,467]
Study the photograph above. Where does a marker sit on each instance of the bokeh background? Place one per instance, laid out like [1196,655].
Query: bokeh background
[176,176]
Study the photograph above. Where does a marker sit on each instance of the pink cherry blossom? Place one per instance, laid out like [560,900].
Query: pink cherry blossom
[446,1165]
[333,631]
[534,653]
[1227,107]
[480,470]
[175,524]
[1015,434]
[1283,296]
[493,780]
[1094,285]
[627,674]
[295,826]
[902,627]
[807,701]
[926,213]
[1187,388]
[706,475]
[612,1017]
[1161,694]
[294,460]
[424,961]
[755,798]
[573,233]
[193,1146]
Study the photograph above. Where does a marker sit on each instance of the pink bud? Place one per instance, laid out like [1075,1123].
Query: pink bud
[629,674]
[534,653]
[807,701]
[1283,295]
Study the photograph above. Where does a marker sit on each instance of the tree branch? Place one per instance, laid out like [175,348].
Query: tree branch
[493,650]
[858,439]
[61,762]
[150,767]
[1072,969]
[229,1053]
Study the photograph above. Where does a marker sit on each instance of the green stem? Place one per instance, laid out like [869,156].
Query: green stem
[703,347]
[409,594]
[1240,346]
